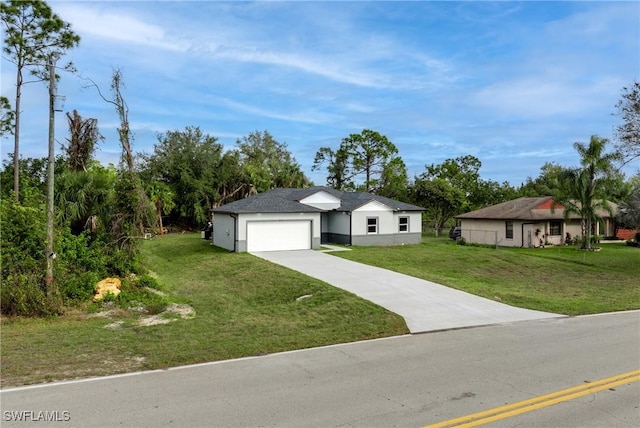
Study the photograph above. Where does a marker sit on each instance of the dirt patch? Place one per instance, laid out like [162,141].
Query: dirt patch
[109,313]
[168,315]
[114,325]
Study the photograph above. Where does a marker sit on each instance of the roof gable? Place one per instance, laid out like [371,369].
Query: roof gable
[322,199]
[351,201]
[548,204]
[373,205]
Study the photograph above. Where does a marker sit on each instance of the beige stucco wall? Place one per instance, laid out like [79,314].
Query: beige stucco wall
[492,232]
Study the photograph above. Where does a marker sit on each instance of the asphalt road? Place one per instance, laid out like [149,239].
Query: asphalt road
[407,381]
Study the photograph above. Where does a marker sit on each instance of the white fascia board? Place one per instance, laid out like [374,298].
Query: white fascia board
[322,200]
[374,206]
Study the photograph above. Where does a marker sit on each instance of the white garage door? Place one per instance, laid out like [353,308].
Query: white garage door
[278,235]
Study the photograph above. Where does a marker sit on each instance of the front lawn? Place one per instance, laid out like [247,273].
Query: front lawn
[557,279]
[243,306]
[246,306]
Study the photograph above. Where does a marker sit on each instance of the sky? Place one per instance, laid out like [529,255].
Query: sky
[514,84]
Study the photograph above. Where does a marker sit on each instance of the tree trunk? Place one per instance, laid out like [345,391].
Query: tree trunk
[159,210]
[16,136]
[49,253]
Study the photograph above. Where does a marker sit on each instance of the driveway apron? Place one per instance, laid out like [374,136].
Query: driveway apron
[425,306]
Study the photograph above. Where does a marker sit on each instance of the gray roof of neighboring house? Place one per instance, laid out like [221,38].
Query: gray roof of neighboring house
[524,209]
[287,201]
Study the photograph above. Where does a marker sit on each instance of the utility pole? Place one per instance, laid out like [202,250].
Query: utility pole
[49,253]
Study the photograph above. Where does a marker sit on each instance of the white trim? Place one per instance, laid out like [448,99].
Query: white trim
[407,224]
[373,206]
[377,225]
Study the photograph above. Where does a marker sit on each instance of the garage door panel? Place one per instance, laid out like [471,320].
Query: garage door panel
[278,235]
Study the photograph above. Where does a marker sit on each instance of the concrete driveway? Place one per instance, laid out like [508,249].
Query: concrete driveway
[425,306]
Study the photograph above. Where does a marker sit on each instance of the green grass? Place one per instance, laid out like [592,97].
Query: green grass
[246,306]
[243,305]
[554,279]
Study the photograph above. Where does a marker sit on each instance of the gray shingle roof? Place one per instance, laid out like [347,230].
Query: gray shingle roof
[287,201]
[274,201]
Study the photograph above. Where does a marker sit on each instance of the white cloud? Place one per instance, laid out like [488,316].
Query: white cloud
[496,80]
[334,49]
[115,26]
[307,116]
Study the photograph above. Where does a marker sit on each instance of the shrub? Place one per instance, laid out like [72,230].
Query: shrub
[133,294]
[79,286]
[121,262]
[148,281]
[22,295]
[21,238]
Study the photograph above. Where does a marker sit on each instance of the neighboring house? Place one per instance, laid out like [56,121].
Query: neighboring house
[296,219]
[528,222]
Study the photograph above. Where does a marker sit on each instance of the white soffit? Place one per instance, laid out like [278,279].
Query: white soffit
[374,206]
[322,200]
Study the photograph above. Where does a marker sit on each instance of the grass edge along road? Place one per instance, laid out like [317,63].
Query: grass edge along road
[245,306]
[541,401]
[559,279]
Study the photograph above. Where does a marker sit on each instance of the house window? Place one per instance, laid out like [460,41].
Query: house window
[555,228]
[372,224]
[403,224]
[509,229]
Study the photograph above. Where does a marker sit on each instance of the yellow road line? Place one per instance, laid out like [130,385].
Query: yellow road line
[541,401]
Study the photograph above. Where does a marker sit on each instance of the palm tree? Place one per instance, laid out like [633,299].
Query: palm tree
[582,190]
[163,200]
[84,198]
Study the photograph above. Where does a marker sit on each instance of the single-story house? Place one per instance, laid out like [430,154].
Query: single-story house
[528,222]
[296,219]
